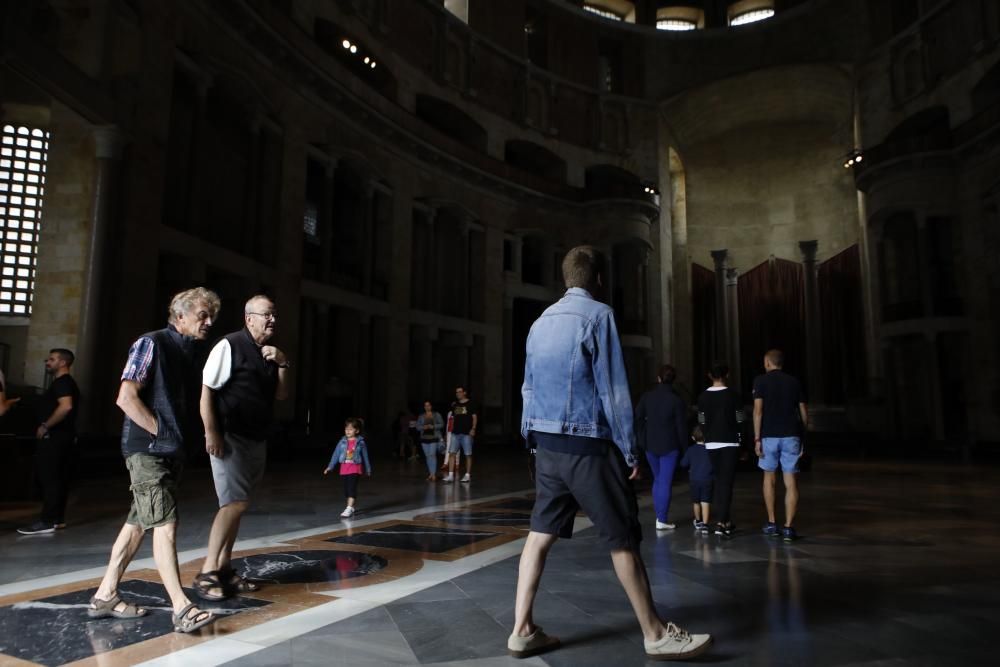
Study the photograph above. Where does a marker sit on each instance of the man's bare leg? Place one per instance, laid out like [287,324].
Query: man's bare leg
[468,465]
[223,535]
[631,573]
[769,481]
[165,555]
[529,573]
[791,497]
[126,544]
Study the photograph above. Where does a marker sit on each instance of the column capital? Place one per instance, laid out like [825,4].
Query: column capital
[109,142]
[719,257]
[808,249]
[732,276]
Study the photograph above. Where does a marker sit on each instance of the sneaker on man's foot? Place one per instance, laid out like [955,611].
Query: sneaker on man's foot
[466,478]
[677,644]
[788,534]
[448,478]
[719,529]
[533,644]
[37,528]
[348,512]
[59,525]
[698,525]
[771,529]
[704,529]
[729,529]
[661,525]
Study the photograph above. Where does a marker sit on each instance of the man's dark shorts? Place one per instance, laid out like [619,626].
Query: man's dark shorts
[154,489]
[596,483]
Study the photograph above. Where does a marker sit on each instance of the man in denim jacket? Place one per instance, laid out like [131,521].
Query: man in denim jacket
[578,415]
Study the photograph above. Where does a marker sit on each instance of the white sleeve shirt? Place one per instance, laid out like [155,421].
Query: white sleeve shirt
[219,366]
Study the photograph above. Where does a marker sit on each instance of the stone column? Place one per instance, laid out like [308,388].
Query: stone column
[733,326]
[368,237]
[109,142]
[364,362]
[465,268]
[721,309]
[508,370]
[251,227]
[434,267]
[325,221]
[814,333]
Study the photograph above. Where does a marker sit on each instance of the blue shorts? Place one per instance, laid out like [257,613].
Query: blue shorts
[785,451]
[463,440]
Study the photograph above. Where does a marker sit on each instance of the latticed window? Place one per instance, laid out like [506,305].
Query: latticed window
[676,24]
[752,16]
[23,152]
[600,11]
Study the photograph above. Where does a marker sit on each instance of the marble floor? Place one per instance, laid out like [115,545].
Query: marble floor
[896,565]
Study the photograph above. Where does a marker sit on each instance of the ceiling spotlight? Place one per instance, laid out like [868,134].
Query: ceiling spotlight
[858,158]
[373,64]
[367,60]
[354,49]
[346,43]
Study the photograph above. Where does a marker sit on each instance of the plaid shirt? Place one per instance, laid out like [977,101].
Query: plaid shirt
[140,360]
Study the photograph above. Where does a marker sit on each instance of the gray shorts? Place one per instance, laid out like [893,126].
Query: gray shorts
[599,485]
[239,470]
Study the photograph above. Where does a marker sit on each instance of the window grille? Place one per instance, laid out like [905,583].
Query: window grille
[676,24]
[752,16]
[602,12]
[23,154]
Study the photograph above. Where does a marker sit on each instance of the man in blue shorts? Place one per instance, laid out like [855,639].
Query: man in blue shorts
[779,418]
[578,416]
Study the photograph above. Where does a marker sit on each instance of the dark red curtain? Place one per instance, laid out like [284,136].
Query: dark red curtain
[702,323]
[842,321]
[772,315]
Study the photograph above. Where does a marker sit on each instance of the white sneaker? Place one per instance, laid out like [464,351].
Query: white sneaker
[348,512]
[467,478]
[665,526]
[448,478]
[677,644]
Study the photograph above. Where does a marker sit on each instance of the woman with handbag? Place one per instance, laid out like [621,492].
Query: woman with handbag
[430,426]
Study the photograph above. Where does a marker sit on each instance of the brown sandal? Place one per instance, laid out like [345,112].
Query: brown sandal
[109,608]
[236,582]
[186,621]
[206,581]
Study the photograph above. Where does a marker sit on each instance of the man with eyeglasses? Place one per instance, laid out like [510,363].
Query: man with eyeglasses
[240,382]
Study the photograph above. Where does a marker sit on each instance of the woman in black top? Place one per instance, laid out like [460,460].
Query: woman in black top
[720,414]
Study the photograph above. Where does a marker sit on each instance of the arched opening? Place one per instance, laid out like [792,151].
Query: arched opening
[451,121]
[606,181]
[535,159]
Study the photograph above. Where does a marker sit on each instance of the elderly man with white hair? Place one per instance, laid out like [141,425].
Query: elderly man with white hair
[242,378]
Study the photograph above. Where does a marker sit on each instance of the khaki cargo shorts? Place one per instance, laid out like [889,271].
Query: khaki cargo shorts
[154,489]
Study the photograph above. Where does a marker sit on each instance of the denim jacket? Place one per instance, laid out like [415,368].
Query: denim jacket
[574,374]
[438,426]
[360,452]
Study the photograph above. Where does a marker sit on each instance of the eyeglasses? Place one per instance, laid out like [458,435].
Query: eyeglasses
[267,316]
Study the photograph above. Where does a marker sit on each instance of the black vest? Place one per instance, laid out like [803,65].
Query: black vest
[246,401]
[171,392]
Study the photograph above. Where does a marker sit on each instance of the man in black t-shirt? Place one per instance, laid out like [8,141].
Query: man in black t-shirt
[465,418]
[779,419]
[56,434]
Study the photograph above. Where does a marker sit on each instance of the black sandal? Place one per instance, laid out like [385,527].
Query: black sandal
[206,581]
[186,622]
[236,582]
